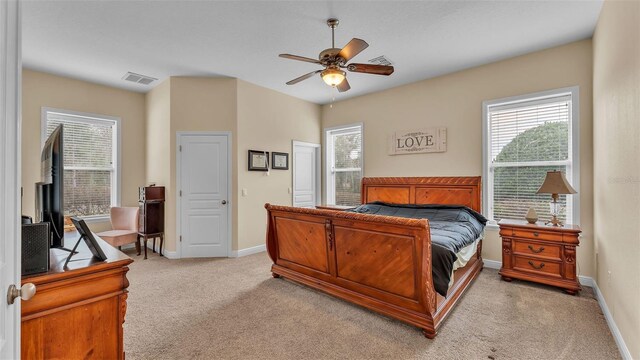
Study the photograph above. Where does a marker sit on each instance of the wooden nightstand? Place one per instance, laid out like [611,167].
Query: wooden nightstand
[540,253]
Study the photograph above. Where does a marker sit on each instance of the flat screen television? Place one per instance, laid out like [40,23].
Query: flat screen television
[50,189]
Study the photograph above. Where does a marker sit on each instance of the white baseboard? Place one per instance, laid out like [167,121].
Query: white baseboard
[492,264]
[590,282]
[249,251]
[128,246]
[168,254]
[617,336]
[235,253]
[586,281]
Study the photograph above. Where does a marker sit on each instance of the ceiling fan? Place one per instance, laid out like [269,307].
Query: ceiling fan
[334,60]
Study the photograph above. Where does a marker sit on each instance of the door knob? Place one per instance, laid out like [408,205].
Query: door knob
[26,292]
[224,202]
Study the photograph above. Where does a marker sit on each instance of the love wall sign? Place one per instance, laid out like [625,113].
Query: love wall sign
[417,141]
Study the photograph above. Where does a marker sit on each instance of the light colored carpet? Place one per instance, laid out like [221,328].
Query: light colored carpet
[234,309]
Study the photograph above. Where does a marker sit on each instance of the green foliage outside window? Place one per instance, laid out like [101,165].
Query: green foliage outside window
[515,187]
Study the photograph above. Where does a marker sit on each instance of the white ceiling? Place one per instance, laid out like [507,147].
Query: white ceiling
[100,41]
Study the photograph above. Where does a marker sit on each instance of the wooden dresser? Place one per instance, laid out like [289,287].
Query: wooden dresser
[540,253]
[77,313]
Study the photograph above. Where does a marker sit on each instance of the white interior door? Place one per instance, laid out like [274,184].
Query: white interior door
[10,89]
[306,174]
[204,198]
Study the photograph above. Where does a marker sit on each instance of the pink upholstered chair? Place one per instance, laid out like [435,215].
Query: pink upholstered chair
[124,222]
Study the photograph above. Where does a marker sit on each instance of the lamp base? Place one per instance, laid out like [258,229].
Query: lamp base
[554,222]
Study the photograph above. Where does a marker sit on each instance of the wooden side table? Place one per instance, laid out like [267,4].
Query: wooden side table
[153,236]
[151,220]
[540,253]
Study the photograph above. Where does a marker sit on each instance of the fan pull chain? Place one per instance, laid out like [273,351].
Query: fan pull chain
[333,98]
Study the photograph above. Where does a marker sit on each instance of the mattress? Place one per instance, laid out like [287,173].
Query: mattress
[464,255]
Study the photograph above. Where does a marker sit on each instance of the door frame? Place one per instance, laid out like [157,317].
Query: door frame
[318,151]
[11,169]
[230,203]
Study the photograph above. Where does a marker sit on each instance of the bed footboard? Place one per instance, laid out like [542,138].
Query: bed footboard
[382,263]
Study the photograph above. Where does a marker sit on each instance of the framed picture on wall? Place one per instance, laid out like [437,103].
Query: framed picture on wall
[280,161]
[258,160]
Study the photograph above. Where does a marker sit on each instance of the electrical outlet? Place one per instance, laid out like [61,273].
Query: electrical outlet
[609,275]
[289,190]
[245,192]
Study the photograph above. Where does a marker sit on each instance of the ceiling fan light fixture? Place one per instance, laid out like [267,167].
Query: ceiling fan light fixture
[333,77]
[333,60]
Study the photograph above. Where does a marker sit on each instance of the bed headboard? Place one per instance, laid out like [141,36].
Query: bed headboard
[423,190]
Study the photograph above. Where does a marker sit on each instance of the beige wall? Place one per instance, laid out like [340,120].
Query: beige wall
[158,123]
[257,118]
[455,101]
[616,125]
[200,104]
[268,120]
[185,104]
[46,90]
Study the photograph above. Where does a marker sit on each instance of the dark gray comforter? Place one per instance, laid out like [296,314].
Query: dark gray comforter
[452,228]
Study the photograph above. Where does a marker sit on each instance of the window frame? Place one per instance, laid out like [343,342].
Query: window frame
[83,117]
[329,183]
[573,163]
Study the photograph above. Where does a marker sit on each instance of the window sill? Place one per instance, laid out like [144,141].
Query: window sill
[95,219]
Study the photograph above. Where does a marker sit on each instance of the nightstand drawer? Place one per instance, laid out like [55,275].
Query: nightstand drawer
[541,267]
[545,250]
[536,234]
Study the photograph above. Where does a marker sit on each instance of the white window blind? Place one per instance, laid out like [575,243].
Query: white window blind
[527,138]
[345,165]
[90,155]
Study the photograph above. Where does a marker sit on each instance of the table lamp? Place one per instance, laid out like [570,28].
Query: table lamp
[555,184]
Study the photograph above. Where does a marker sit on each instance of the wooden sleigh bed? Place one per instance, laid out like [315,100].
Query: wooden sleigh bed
[380,262]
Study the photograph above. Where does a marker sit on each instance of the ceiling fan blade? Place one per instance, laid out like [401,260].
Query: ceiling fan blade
[299,58]
[303,77]
[343,86]
[371,69]
[353,48]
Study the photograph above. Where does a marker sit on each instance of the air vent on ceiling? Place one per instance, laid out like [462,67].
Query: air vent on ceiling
[380,60]
[137,78]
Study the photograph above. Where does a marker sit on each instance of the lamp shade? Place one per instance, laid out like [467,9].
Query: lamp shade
[332,77]
[556,183]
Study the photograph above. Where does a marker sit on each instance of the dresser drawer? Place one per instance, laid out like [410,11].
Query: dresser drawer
[545,250]
[535,234]
[70,292]
[541,267]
